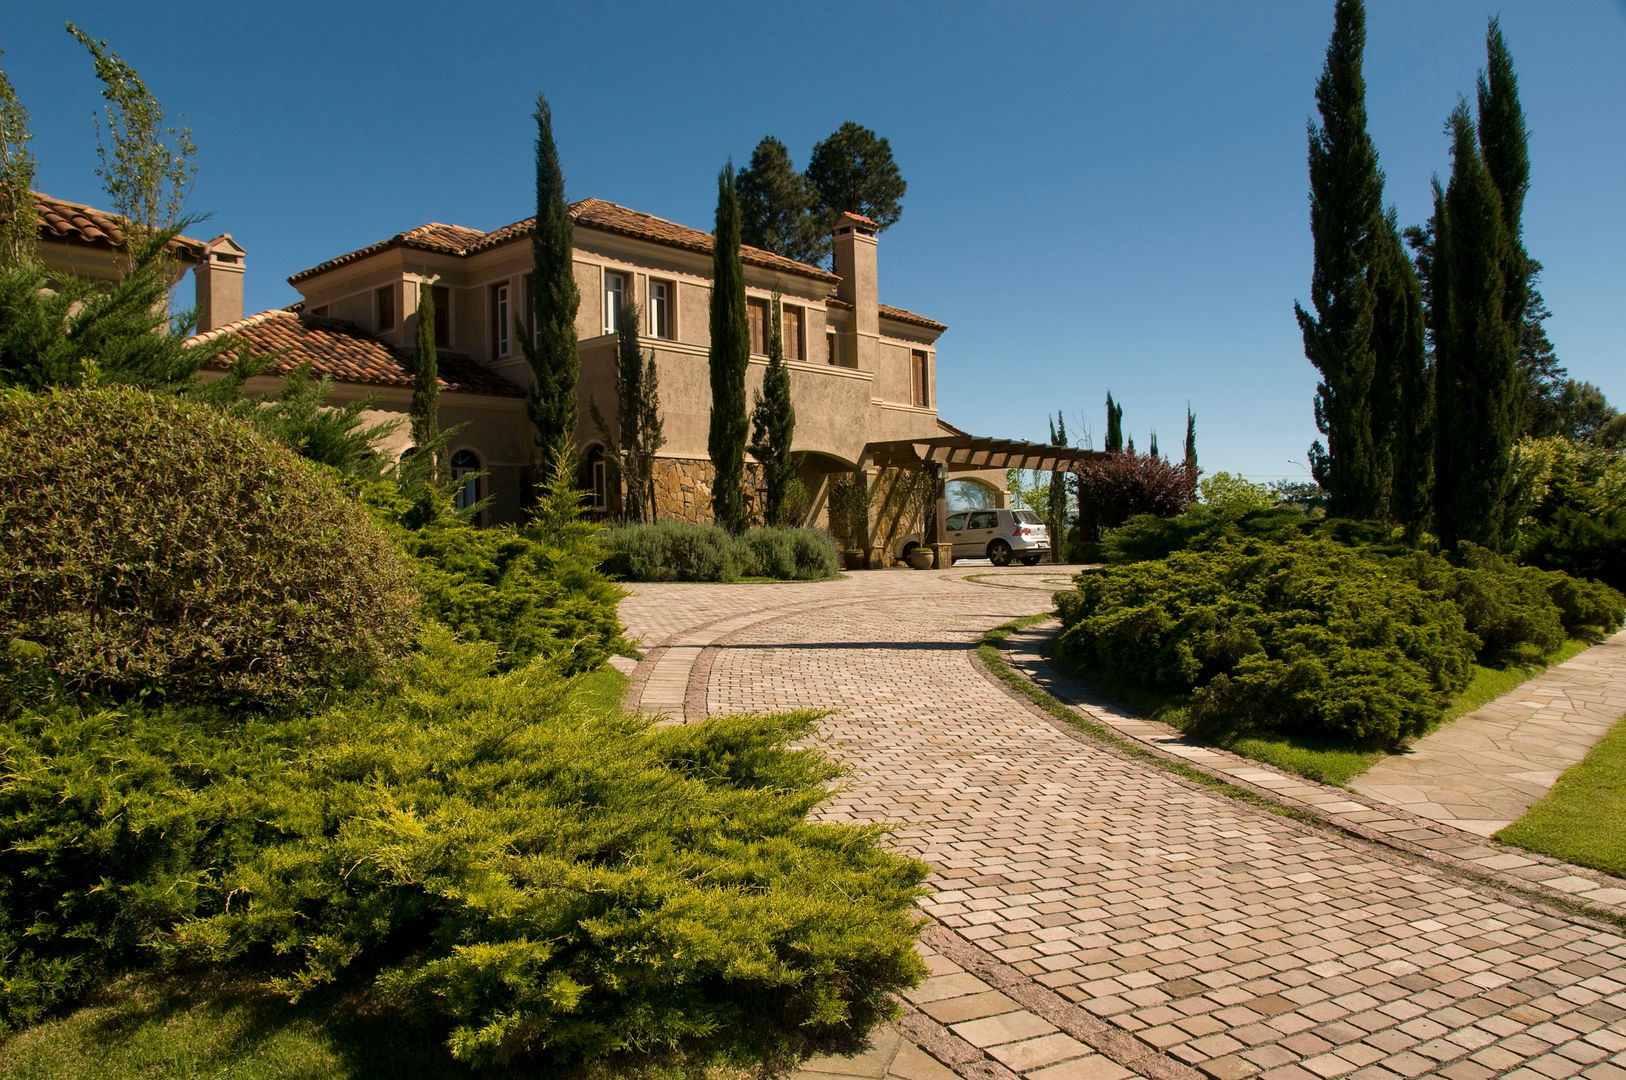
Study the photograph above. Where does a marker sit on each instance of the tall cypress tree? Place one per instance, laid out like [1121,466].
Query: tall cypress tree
[1191,444]
[1346,214]
[730,353]
[1115,426]
[1476,379]
[1402,392]
[425,408]
[554,299]
[773,425]
[1056,504]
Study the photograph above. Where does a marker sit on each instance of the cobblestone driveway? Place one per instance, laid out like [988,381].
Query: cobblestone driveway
[1101,917]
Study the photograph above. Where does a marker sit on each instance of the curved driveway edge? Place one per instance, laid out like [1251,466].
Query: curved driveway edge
[1232,941]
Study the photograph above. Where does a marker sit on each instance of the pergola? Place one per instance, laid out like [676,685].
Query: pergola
[943,455]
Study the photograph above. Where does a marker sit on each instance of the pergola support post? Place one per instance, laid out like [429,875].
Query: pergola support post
[942,548]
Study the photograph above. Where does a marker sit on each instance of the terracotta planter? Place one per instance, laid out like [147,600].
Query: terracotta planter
[852,559]
[921,558]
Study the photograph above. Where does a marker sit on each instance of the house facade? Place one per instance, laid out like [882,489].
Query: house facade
[862,372]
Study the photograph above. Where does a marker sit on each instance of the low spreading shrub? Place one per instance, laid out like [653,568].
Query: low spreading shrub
[1147,536]
[1308,637]
[678,551]
[470,851]
[153,546]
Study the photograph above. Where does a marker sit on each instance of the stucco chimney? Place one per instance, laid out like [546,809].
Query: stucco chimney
[854,243]
[220,283]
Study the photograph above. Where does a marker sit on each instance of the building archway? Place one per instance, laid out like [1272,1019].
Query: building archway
[469,472]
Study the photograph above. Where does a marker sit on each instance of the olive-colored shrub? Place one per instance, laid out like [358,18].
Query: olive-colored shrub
[679,551]
[792,554]
[153,546]
[470,851]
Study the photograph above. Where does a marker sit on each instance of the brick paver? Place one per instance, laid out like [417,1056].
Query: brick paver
[1142,924]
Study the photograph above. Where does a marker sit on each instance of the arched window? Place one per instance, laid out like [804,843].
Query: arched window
[466,469]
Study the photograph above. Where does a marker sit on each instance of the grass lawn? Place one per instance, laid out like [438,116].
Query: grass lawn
[1325,760]
[1583,819]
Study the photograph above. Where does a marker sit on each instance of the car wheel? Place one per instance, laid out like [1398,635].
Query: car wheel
[1030,560]
[999,553]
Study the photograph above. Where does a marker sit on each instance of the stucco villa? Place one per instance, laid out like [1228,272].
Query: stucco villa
[863,374]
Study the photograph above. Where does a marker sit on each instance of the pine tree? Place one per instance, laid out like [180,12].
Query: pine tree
[1346,215]
[773,425]
[1191,444]
[730,354]
[1401,404]
[19,224]
[778,206]
[1115,426]
[1476,378]
[552,354]
[853,170]
[425,408]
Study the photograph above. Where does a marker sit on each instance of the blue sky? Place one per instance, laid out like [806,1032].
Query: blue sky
[1101,196]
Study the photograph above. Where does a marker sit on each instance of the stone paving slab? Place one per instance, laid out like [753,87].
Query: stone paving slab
[1169,930]
[1481,772]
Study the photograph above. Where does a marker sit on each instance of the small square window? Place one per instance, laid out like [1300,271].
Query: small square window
[661,295]
[384,307]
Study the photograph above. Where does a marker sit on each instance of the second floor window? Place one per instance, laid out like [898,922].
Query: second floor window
[615,288]
[661,294]
[442,297]
[832,352]
[790,325]
[500,320]
[918,374]
[756,314]
[384,307]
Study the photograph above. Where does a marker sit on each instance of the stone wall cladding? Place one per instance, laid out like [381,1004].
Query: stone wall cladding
[683,490]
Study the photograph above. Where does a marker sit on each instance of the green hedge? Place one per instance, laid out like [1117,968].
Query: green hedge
[472,853]
[152,546]
[678,551]
[1313,636]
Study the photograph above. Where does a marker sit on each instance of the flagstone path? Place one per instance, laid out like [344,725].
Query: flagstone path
[1097,916]
[1483,771]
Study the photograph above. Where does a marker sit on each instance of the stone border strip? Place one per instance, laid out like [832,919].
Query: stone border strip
[1576,890]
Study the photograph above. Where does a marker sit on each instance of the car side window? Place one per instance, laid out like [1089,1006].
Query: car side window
[956,522]
[984,519]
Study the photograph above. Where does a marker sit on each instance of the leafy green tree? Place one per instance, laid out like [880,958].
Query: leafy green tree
[773,425]
[1476,376]
[730,354]
[1346,216]
[148,171]
[19,224]
[853,170]
[779,206]
[425,408]
[1115,426]
[552,355]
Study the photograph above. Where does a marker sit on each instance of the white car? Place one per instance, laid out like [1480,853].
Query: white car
[995,535]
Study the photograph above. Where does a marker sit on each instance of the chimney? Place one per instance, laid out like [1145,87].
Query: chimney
[854,243]
[220,283]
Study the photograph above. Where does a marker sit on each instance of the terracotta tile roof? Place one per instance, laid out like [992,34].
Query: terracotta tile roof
[76,223]
[890,312]
[345,354]
[588,213]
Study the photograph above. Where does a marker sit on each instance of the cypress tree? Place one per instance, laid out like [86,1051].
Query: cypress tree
[1115,426]
[1152,449]
[1191,444]
[554,299]
[425,409]
[730,353]
[1056,504]
[1476,378]
[1346,197]
[629,392]
[650,427]
[773,425]
[1402,392]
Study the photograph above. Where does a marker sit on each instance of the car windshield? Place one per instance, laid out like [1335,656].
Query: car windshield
[1028,517]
